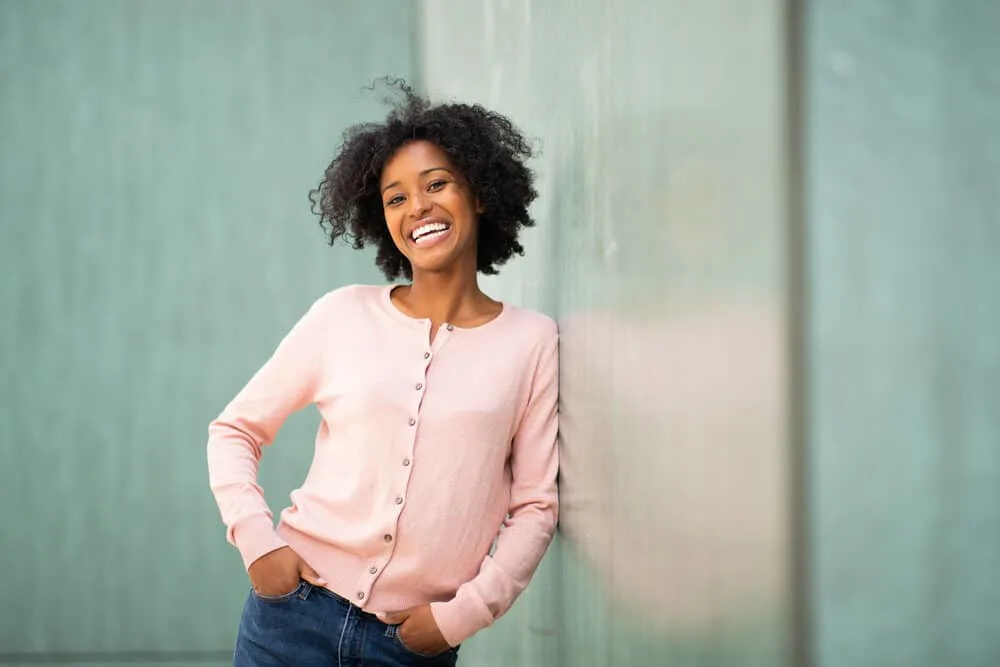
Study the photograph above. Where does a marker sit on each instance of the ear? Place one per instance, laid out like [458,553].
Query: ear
[480,209]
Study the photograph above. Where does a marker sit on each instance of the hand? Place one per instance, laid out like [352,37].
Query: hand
[279,573]
[418,630]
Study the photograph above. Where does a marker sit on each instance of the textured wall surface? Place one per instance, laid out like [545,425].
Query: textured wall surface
[903,213]
[660,247]
[156,244]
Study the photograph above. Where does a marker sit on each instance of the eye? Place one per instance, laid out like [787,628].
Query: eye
[395,201]
[434,186]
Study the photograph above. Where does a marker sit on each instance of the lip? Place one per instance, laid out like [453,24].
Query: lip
[430,242]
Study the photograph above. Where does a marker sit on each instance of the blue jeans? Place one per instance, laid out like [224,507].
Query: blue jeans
[312,627]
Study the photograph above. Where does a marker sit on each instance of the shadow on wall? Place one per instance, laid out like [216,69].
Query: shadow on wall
[673,479]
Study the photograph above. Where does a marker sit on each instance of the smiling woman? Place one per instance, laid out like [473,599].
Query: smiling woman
[384,555]
[430,210]
[458,150]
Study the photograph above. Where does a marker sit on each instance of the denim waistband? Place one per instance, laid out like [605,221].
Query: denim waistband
[340,599]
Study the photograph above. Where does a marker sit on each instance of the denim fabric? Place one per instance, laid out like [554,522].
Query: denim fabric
[312,627]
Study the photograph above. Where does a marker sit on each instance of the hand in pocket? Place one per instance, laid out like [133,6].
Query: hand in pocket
[279,572]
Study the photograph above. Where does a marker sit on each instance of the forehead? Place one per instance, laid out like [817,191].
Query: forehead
[414,158]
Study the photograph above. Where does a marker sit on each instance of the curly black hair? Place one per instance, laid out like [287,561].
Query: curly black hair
[485,147]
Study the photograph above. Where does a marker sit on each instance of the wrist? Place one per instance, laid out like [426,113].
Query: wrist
[256,539]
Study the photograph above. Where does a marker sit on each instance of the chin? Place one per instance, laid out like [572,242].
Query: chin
[434,263]
[431,267]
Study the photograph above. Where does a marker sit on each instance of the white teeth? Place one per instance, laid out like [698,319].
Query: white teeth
[429,228]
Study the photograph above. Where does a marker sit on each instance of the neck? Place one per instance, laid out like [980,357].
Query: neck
[444,297]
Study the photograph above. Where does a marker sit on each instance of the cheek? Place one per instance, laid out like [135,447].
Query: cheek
[466,208]
[392,224]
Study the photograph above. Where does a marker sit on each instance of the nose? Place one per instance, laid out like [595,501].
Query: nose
[419,205]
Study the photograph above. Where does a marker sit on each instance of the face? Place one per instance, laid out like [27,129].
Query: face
[429,209]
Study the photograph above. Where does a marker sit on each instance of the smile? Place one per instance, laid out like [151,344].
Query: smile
[430,232]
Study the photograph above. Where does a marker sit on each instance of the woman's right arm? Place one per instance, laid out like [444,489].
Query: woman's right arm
[286,383]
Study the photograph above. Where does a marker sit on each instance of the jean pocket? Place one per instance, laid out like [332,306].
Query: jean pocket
[285,597]
[399,640]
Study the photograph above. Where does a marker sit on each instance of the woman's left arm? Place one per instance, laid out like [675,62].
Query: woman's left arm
[531,518]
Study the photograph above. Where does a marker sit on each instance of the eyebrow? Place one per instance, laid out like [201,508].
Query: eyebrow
[423,173]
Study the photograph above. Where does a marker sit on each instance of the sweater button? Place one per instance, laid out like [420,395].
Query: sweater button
[372,570]
[450,327]
[413,422]
[387,537]
[427,355]
[406,462]
[361,595]
[419,386]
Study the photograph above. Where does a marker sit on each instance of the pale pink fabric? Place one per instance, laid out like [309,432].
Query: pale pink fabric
[424,451]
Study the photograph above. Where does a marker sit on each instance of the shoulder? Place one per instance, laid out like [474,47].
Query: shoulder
[347,296]
[531,320]
[337,305]
[530,326]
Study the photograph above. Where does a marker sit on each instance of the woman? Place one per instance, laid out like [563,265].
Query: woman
[438,404]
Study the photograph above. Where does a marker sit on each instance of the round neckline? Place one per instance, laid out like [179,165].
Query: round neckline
[396,313]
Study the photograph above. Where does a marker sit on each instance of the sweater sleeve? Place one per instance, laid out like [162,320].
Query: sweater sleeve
[285,384]
[531,517]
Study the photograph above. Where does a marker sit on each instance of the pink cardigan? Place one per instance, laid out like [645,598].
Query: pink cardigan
[423,453]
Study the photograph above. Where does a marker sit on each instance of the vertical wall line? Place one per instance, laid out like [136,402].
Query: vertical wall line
[800,608]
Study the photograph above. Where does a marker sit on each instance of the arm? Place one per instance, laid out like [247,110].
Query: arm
[285,384]
[531,519]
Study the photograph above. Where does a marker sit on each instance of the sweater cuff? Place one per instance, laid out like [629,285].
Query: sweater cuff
[462,616]
[255,538]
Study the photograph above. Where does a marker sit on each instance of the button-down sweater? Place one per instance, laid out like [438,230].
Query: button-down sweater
[434,473]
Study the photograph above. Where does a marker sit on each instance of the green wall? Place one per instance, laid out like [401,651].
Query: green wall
[156,244]
[903,256]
